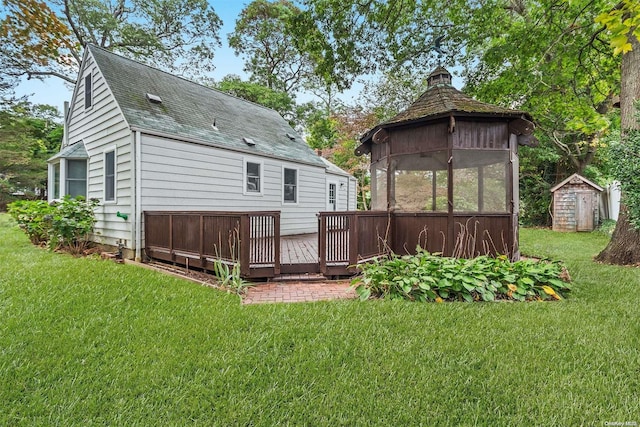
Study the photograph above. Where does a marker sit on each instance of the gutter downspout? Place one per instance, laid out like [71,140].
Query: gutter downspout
[138,197]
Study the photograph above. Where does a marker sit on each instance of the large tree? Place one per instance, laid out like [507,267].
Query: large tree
[262,37]
[40,39]
[277,100]
[29,134]
[623,21]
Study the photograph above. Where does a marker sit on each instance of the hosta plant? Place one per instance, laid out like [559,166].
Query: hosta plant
[428,277]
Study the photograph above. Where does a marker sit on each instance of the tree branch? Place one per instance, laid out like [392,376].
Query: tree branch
[52,74]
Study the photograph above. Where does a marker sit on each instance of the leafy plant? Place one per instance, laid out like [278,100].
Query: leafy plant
[62,225]
[34,218]
[228,270]
[626,167]
[72,222]
[228,275]
[427,277]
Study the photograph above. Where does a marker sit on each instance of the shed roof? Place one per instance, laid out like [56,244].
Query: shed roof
[574,179]
[189,110]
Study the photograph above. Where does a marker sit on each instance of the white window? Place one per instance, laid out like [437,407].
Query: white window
[110,175]
[76,178]
[56,181]
[290,185]
[88,96]
[253,177]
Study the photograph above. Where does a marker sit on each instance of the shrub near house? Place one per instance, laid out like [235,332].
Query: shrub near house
[64,225]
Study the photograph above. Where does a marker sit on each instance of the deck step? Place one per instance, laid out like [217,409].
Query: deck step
[299,278]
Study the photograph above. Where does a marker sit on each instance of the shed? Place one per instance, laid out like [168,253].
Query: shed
[575,204]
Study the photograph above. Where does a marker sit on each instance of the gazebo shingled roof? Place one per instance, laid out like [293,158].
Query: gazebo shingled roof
[442,99]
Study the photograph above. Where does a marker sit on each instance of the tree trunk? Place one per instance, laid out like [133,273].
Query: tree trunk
[624,247]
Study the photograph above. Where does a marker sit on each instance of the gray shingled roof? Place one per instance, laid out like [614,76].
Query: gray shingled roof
[441,99]
[75,151]
[188,110]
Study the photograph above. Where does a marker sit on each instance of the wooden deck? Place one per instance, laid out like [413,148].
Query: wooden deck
[299,249]
[252,239]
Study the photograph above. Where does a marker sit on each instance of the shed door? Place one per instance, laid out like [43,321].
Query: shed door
[584,211]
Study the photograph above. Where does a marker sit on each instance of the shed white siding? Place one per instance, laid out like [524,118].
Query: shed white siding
[180,175]
[100,127]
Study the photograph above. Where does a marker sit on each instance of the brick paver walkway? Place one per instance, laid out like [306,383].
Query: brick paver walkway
[298,292]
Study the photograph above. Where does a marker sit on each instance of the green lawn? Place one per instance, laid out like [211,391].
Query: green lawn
[85,342]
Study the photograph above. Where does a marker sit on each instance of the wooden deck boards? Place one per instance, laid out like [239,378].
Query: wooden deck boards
[299,249]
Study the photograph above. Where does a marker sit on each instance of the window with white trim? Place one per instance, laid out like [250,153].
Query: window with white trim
[76,179]
[110,176]
[88,96]
[253,177]
[56,181]
[290,185]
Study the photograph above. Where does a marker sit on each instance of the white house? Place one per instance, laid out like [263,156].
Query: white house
[140,139]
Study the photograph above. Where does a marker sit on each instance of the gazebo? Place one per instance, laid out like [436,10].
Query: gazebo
[446,173]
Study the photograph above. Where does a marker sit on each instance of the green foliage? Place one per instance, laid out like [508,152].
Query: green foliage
[43,39]
[626,169]
[271,58]
[34,218]
[322,130]
[607,227]
[229,276]
[425,277]
[258,93]
[623,22]
[72,222]
[29,134]
[63,225]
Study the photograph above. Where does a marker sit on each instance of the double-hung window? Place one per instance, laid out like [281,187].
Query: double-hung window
[290,185]
[76,179]
[252,177]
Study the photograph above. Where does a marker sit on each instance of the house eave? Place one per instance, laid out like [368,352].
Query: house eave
[152,132]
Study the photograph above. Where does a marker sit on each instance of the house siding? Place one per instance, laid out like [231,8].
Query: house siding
[101,127]
[180,175]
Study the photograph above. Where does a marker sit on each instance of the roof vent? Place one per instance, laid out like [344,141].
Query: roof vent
[250,142]
[291,137]
[214,126]
[154,99]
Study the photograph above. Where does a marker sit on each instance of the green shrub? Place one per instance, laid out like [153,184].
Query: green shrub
[607,227]
[61,225]
[626,169]
[426,277]
[34,218]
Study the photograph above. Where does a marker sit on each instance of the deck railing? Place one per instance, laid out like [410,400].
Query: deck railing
[346,238]
[198,238]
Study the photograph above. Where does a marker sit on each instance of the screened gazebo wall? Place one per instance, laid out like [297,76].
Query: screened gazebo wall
[452,192]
